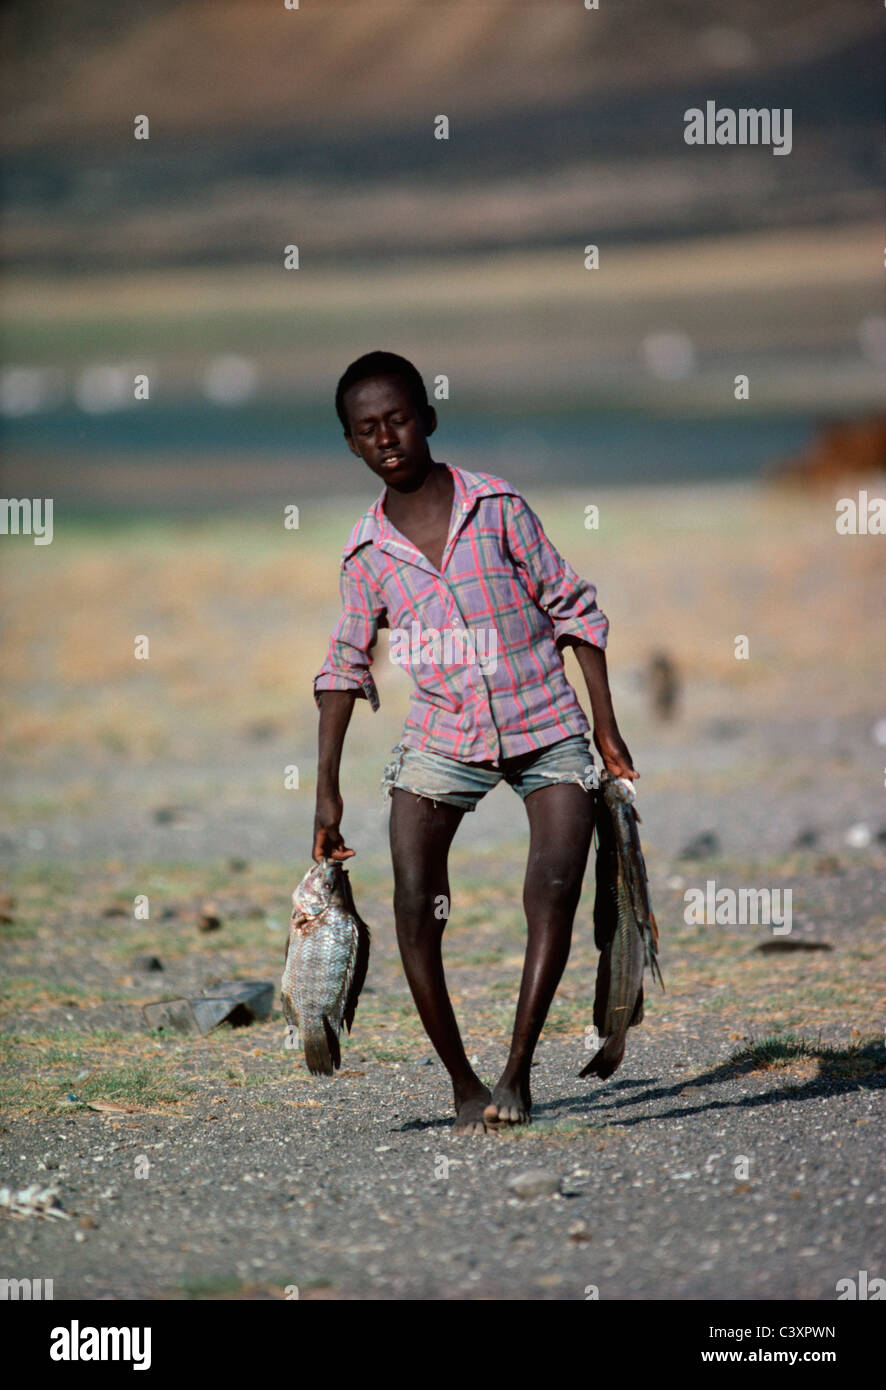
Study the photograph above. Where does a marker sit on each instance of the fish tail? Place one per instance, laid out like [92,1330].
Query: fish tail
[608,1059]
[319,1056]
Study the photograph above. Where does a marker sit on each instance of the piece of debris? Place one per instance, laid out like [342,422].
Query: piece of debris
[807,838]
[702,847]
[260,730]
[725,729]
[237,1002]
[117,910]
[208,918]
[146,963]
[7,904]
[859,836]
[578,1232]
[33,1201]
[784,943]
[236,865]
[828,864]
[537,1182]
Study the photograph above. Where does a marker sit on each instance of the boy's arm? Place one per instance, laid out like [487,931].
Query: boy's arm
[336,708]
[607,739]
[344,678]
[571,604]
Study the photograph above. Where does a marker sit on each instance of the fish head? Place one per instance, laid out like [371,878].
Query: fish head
[312,893]
[617,789]
[321,885]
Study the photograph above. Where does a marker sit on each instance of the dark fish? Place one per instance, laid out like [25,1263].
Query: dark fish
[326,959]
[625,929]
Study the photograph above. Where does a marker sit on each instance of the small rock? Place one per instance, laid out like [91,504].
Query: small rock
[578,1232]
[828,864]
[146,963]
[236,865]
[87,1223]
[783,943]
[208,918]
[536,1182]
[859,836]
[260,730]
[725,729]
[702,847]
[807,838]
[116,910]
[168,913]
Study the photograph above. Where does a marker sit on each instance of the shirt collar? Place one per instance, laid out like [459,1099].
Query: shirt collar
[374,526]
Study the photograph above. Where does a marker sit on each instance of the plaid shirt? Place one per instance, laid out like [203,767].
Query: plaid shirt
[499,574]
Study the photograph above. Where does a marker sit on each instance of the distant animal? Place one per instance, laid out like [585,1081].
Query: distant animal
[664,685]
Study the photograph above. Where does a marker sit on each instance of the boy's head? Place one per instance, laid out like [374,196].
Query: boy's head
[383,407]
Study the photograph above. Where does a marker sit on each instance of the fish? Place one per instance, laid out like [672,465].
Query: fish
[327,955]
[625,929]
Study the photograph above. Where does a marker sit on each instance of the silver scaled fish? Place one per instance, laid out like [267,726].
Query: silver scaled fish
[625,930]
[326,959]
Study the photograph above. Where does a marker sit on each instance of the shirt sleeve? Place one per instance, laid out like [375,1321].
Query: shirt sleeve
[348,658]
[569,601]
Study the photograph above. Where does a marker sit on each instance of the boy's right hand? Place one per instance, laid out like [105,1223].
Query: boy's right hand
[328,841]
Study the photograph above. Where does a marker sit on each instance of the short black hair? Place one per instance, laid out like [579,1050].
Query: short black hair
[380,363]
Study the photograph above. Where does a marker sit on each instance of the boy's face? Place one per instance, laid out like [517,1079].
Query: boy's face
[386,430]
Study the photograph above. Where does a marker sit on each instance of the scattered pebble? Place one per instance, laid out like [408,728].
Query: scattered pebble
[859,836]
[536,1182]
[146,963]
[702,847]
[208,919]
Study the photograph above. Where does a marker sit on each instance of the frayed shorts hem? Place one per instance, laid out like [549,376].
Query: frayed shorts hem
[455,783]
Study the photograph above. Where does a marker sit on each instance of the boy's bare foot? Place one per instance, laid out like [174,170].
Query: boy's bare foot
[510,1105]
[469,1112]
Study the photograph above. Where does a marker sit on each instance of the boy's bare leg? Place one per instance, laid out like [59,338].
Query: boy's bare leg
[421,833]
[561,822]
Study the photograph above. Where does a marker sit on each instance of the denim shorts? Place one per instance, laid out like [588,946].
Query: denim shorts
[465,784]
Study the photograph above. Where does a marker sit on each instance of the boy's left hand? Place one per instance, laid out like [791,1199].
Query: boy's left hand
[615,754]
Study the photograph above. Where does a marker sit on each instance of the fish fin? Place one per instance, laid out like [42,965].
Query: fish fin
[361,962]
[637,1015]
[601,993]
[360,967]
[608,1059]
[652,950]
[320,1058]
[653,928]
[332,1043]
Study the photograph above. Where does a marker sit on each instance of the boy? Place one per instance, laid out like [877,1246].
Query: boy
[450,557]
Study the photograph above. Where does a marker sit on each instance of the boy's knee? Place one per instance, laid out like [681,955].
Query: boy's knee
[553,888]
[419,906]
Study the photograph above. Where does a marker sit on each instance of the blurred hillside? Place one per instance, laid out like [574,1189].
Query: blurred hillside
[314,127]
[317,125]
